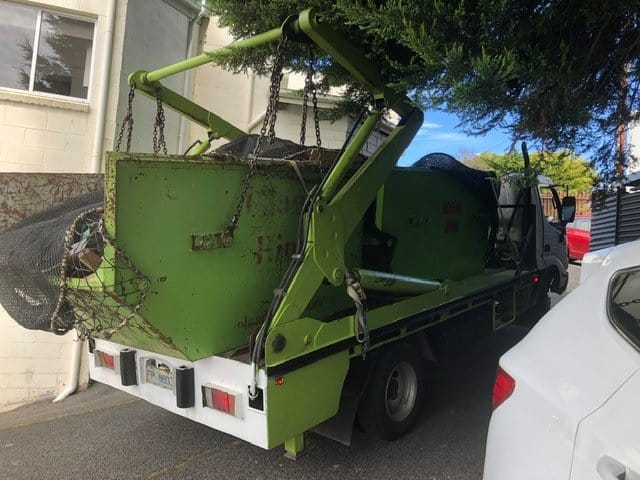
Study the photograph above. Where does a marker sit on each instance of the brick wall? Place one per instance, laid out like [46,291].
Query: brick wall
[36,138]
[49,133]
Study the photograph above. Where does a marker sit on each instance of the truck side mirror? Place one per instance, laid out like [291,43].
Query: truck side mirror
[568,210]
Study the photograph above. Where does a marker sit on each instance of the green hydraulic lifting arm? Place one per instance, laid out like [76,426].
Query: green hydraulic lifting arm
[339,205]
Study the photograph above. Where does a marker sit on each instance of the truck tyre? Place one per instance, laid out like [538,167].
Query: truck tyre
[394,397]
[539,310]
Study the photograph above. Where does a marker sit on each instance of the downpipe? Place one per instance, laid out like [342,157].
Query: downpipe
[107,53]
[186,81]
[96,166]
[74,373]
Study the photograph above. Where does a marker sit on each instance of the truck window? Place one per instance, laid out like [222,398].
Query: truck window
[624,304]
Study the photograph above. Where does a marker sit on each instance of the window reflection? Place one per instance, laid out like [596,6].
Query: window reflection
[64,56]
[63,45]
[624,304]
[17,31]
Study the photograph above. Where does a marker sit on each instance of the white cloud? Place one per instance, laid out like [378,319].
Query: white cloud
[426,127]
[450,137]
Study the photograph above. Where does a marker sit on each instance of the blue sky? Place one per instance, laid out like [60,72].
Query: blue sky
[439,133]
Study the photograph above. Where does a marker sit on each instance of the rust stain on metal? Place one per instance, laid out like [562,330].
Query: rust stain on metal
[285,251]
[259,254]
[207,241]
[248,323]
[25,194]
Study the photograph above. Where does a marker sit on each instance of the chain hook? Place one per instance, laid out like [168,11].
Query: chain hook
[127,121]
[158,126]
[310,86]
[267,131]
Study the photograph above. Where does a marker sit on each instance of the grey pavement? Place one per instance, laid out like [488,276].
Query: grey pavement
[106,434]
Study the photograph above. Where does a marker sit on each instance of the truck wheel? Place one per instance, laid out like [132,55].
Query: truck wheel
[539,310]
[394,397]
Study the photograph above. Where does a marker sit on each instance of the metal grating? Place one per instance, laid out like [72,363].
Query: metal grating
[628,218]
[603,224]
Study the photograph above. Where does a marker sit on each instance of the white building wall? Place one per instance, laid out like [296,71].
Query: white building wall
[158,37]
[33,365]
[43,133]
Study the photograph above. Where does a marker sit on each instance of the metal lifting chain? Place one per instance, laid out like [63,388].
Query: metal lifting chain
[127,121]
[59,325]
[310,86]
[158,127]
[267,131]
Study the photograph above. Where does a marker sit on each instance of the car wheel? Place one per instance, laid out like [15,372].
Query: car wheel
[395,394]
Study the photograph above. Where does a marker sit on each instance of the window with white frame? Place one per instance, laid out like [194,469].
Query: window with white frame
[45,51]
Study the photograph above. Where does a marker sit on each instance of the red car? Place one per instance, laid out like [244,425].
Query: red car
[578,236]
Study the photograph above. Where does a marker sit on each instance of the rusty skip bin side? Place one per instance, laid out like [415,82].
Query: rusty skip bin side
[206,292]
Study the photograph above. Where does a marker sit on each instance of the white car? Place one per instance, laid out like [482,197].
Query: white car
[567,397]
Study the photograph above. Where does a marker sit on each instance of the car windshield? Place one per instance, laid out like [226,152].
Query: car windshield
[624,304]
[580,224]
[583,224]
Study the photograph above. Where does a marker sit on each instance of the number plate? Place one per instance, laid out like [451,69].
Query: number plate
[159,374]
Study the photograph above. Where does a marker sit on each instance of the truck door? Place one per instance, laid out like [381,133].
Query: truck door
[554,243]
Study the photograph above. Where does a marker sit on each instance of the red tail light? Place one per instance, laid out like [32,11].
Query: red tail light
[222,400]
[503,387]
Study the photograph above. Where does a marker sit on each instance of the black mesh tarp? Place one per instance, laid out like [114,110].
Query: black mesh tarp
[31,253]
[244,146]
[482,184]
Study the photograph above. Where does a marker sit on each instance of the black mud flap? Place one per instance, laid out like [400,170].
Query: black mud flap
[340,426]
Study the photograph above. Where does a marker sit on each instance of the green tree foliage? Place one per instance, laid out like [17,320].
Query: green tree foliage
[563,74]
[562,167]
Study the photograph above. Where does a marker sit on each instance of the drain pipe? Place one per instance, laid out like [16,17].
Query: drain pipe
[252,87]
[74,373]
[98,140]
[255,122]
[187,75]
[96,166]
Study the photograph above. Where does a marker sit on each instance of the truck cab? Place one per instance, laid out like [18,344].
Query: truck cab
[555,254]
[524,228]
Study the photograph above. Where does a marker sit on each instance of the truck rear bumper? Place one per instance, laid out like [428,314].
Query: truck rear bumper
[212,391]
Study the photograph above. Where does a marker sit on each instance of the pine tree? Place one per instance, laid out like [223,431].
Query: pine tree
[564,74]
